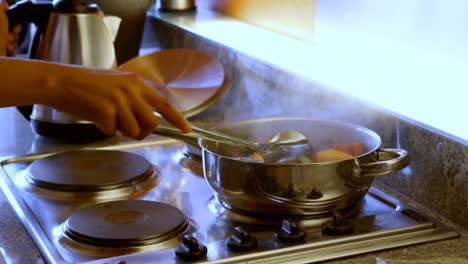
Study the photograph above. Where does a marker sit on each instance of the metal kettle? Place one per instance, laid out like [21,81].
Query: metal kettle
[69,32]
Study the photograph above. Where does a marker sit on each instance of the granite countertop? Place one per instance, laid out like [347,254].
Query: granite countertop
[17,247]
[15,139]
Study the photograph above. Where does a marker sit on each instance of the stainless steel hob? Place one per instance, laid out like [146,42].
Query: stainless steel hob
[149,203]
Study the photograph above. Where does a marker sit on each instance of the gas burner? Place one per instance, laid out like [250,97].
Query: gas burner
[91,174]
[124,225]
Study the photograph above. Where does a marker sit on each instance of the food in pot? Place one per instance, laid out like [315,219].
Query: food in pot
[332,154]
[256,157]
[245,154]
[341,152]
[354,149]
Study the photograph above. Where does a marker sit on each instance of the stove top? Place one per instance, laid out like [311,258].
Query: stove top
[150,204]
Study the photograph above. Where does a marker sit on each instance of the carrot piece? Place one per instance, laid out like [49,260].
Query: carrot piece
[347,148]
[358,148]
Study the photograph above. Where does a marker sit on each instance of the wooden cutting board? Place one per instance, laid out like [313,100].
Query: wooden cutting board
[190,79]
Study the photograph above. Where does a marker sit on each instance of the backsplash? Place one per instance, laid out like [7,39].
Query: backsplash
[437,177]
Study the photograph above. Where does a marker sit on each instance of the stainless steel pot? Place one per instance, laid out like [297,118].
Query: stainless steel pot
[297,189]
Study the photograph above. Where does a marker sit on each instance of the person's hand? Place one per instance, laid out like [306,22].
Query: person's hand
[113,100]
[8,40]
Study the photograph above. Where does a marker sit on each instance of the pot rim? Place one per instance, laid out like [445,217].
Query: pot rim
[376,138]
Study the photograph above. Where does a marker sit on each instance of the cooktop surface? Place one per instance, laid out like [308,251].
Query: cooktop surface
[151,204]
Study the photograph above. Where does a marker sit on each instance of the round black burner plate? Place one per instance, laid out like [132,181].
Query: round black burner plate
[89,170]
[125,222]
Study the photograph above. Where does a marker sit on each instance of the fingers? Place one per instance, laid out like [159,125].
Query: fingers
[126,120]
[168,111]
[118,101]
[127,124]
[135,117]
[11,49]
[12,40]
[146,119]
[105,117]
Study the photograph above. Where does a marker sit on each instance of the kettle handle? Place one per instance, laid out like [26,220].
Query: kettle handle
[27,11]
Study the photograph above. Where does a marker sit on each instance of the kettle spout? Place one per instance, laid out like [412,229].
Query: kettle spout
[112,24]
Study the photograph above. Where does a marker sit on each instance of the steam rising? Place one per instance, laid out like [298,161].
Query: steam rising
[253,97]
[291,97]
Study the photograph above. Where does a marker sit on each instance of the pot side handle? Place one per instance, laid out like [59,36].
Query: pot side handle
[389,160]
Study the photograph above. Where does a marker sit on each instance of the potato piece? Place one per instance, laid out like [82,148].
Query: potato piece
[354,149]
[346,148]
[257,156]
[248,155]
[332,155]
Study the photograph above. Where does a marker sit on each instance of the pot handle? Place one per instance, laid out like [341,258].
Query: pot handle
[389,160]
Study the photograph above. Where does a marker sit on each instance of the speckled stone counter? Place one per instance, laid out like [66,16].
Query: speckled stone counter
[15,244]
[15,139]
[450,251]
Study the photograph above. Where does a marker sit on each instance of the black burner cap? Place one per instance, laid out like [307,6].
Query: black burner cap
[89,170]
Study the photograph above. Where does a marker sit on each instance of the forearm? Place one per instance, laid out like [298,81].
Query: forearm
[112,99]
[26,82]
